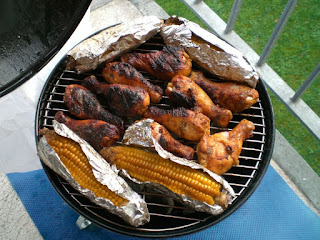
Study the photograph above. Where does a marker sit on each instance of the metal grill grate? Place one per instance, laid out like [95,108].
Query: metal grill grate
[168,218]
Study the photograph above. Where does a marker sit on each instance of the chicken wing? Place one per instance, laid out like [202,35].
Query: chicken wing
[83,104]
[220,151]
[167,142]
[122,100]
[124,73]
[232,96]
[185,92]
[97,133]
[164,65]
[184,123]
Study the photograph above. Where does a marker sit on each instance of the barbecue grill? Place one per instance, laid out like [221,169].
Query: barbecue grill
[168,218]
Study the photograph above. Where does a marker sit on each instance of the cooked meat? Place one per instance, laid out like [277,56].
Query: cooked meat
[167,142]
[185,92]
[232,96]
[83,104]
[164,65]
[122,100]
[97,133]
[124,73]
[184,123]
[220,151]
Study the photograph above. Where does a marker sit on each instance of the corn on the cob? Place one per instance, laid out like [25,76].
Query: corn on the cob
[77,163]
[148,166]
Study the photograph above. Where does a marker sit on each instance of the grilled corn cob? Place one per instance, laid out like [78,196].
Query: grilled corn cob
[147,166]
[77,163]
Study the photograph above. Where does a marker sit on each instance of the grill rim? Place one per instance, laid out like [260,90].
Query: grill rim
[212,220]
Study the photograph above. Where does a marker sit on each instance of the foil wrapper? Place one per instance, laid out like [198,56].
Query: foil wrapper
[140,134]
[211,53]
[135,212]
[111,43]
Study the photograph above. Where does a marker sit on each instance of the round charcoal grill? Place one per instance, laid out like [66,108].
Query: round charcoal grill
[168,218]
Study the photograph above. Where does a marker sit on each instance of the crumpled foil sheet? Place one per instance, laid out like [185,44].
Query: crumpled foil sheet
[111,43]
[135,212]
[140,134]
[224,61]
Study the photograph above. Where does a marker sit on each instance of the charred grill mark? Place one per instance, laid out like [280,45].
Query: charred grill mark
[160,63]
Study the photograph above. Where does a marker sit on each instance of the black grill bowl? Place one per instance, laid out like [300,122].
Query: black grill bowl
[168,218]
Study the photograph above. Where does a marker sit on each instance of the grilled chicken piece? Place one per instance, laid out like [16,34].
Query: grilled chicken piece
[232,96]
[185,92]
[122,100]
[167,142]
[97,133]
[83,104]
[124,73]
[220,151]
[164,65]
[184,123]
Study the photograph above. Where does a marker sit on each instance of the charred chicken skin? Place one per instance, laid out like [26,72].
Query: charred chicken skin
[124,73]
[84,104]
[163,65]
[220,151]
[183,91]
[183,122]
[232,96]
[167,142]
[97,133]
[122,100]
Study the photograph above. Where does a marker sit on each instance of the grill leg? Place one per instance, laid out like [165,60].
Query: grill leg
[82,222]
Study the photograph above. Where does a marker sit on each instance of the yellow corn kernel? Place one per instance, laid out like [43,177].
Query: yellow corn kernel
[148,166]
[77,163]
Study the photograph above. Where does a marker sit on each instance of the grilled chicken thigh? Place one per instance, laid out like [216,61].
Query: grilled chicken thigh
[124,73]
[220,151]
[167,142]
[83,104]
[122,100]
[184,123]
[232,96]
[183,91]
[164,65]
[97,133]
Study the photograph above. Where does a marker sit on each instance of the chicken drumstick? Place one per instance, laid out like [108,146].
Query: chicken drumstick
[167,142]
[182,90]
[122,100]
[83,104]
[124,73]
[184,123]
[97,133]
[220,151]
[232,96]
[163,65]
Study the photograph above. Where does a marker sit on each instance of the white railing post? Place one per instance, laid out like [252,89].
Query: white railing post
[306,83]
[277,31]
[233,15]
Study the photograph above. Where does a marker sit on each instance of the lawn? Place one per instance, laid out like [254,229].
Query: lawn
[294,57]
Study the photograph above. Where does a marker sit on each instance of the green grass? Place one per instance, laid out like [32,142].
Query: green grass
[294,56]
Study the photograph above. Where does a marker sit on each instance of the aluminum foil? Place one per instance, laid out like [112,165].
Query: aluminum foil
[135,212]
[140,134]
[223,60]
[112,42]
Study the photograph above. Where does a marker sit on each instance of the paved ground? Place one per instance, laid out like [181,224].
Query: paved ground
[15,222]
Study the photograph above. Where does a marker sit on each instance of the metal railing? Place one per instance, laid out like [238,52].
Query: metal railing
[276,84]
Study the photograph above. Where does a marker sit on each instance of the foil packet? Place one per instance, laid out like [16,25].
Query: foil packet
[209,51]
[140,134]
[135,212]
[112,42]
